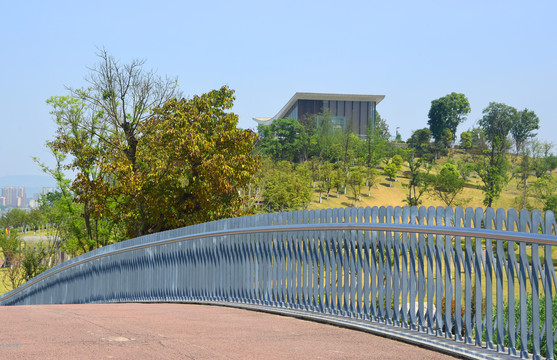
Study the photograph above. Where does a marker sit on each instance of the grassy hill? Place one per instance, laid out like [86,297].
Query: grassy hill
[383,195]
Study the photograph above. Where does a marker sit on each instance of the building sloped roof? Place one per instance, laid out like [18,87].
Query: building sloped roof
[317,96]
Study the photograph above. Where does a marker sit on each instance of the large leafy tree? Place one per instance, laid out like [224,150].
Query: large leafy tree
[284,139]
[524,126]
[447,113]
[122,97]
[192,161]
[492,167]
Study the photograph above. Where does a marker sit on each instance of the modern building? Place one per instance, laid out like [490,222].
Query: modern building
[356,111]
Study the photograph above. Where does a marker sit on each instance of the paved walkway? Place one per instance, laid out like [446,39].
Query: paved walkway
[178,331]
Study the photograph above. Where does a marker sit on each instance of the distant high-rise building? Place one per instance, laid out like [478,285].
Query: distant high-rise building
[2,201]
[46,190]
[10,193]
[14,197]
[21,197]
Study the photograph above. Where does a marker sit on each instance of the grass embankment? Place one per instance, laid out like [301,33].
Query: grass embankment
[384,195]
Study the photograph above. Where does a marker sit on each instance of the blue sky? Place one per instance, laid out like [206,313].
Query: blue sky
[412,52]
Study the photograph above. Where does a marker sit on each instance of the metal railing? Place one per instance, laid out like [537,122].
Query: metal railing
[472,275]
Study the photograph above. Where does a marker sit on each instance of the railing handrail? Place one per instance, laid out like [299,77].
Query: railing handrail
[505,235]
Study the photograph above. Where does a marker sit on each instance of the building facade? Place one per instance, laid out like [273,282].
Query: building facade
[356,112]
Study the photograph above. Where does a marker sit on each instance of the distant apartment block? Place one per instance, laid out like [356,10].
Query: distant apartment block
[13,197]
[346,110]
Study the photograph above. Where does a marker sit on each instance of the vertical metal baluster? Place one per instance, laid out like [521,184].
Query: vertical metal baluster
[413,249]
[422,218]
[489,218]
[332,250]
[549,273]
[382,316]
[396,279]
[478,216]
[468,265]
[458,261]
[405,253]
[448,251]
[522,278]
[536,269]
[389,297]
[512,266]
[430,252]
[500,321]
[366,257]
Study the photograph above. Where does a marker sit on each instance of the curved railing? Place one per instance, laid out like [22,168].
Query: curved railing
[469,281]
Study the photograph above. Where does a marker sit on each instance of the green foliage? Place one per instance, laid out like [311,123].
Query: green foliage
[371,179]
[34,260]
[328,177]
[523,127]
[492,167]
[397,160]
[448,184]
[447,137]
[466,140]
[391,170]
[421,138]
[420,181]
[376,145]
[286,189]
[192,162]
[284,139]
[465,169]
[550,203]
[447,113]
[11,247]
[15,218]
[356,181]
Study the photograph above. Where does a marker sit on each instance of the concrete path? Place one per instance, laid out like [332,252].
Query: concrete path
[178,331]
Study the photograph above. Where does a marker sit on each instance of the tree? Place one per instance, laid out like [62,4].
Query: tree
[492,166]
[419,182]
[123,97]
[466,140]
[376,144]
[340,178]
[12,248]
[80,129]
[448,184]
[286,189]
[523,127]
[328,177]
[284,139]
[100,124]
[192,162]
[371,180]
[356,181]
[447,113]
[397,160]
[551,204]
[421,138]
[544,187]
[391,169]
[381,127]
